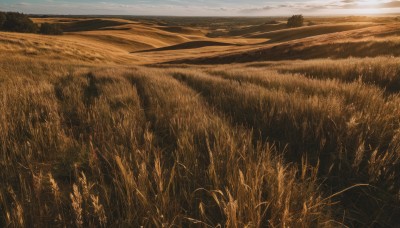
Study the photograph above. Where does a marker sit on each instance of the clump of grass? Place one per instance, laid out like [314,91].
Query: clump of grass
[98,147]
[227,175]
[320,125]
[381,71]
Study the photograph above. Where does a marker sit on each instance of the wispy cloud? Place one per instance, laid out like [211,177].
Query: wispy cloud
[315,6]
[201,7]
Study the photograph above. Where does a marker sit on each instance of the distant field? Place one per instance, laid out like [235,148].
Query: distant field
[201,122]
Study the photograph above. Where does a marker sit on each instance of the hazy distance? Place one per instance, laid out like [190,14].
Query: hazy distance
[202,7]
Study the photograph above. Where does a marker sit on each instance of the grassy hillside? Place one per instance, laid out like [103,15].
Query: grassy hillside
[309,43]
[96,131]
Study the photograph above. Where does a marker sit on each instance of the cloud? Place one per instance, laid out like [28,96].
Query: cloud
[314,7]
[22,4]
[352,4]
[260,9]
[392,4]
[170,7]
[305,7]
[348,1]
[201,7]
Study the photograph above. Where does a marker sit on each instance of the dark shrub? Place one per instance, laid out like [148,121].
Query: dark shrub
[50,29]
[2,19]
[18,22]
[296,21]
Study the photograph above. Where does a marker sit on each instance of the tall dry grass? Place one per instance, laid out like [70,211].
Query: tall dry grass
[345,127]
[84,149]
[381,71]
[83,145]
[222,178]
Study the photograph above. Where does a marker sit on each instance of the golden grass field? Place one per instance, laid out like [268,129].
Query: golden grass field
[158,122]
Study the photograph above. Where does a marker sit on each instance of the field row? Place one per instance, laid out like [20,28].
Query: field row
[198,147]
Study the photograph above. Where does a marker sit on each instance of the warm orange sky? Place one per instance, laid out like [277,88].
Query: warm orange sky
[203,7]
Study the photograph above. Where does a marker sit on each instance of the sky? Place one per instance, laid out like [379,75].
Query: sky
[203,7]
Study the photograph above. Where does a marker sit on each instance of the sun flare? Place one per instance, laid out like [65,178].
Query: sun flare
[369,7]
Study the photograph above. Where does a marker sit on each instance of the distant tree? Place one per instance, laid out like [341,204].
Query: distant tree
[18,22]
[50,29]
[296,21]
[2,19]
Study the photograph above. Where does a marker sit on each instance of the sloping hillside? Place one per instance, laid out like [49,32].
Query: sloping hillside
[366,42]
[149,42]
[288,34]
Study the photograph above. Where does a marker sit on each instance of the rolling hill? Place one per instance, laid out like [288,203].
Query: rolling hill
[201,122]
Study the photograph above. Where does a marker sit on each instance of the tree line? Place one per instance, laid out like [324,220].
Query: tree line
[19,22]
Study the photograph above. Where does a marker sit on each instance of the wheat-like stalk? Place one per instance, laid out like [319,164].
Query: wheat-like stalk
[76,203]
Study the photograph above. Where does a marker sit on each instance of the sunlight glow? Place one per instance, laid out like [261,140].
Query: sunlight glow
[369,7]
[370,11]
